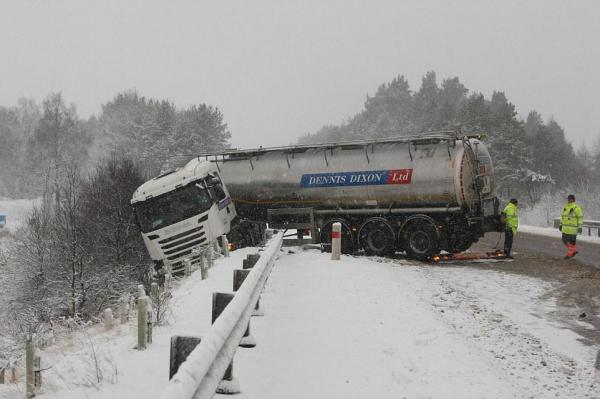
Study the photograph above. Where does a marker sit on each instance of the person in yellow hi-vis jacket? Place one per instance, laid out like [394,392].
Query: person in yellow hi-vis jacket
[511,223]
[571,224]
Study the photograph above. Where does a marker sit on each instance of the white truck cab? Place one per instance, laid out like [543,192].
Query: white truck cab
[181,211]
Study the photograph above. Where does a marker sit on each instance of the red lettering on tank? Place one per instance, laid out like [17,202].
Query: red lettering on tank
[399,176]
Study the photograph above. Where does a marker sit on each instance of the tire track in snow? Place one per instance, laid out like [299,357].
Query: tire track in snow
[525,358]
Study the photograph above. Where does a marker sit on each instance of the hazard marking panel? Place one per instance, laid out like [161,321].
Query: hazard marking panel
[361,178]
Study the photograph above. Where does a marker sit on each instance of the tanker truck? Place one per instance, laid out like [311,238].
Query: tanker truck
[418,194]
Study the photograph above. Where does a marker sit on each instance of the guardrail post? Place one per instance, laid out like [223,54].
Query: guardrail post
[108,318]
[229,384]
[336,241]
[142,305]
[250,261]
[29,375]
[239,276]
[181,347]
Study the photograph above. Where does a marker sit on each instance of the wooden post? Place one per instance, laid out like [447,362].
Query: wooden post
[124,310]
[597,367]
[37,371]
[209,257]
[203,266]
[187,267]
[200,263]
[142,318]
[149,320]
[228,384]
[225,246]
[154,292]
[336,241]
[108,318]
[29,376]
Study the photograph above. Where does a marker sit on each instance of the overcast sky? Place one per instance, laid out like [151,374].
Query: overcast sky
[279,69]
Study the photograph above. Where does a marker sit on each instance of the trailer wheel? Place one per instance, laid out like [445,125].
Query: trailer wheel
[377,237]
[347,236]
[420,239]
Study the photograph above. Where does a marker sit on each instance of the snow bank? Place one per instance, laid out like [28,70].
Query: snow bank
[554,232]
[124,372]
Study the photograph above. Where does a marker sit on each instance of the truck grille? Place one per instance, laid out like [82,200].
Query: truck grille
[182,244]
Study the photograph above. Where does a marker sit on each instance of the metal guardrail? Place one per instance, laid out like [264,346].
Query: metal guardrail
[199,376]
[587,224]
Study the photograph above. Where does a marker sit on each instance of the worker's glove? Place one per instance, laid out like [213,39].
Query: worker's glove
[560,227]
[580,230]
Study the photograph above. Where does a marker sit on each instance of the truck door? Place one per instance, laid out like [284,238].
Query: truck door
[223,201]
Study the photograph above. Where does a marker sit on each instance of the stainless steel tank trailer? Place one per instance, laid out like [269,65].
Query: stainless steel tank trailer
[420,194]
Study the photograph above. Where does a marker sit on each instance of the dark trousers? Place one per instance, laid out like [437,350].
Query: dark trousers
[508,241]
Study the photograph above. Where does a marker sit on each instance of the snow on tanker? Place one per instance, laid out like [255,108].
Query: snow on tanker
[419,194]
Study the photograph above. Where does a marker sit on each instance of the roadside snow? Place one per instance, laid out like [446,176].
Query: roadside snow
[553,232]
[124,372]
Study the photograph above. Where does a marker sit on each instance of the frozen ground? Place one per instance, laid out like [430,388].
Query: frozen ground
[358,328]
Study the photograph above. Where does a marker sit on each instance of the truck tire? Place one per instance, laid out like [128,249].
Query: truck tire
[377,237]
[420,239]
[347,236]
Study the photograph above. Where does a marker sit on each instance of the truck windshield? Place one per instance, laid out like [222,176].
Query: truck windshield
[173,207]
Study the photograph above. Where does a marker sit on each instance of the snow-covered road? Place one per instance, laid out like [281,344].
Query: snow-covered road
[358,328]
[376,328]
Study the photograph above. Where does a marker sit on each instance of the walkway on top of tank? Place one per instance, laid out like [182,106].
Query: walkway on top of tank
[422,138]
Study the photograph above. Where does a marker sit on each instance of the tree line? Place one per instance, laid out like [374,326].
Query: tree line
[80,250]
[36,139]
[531,156]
